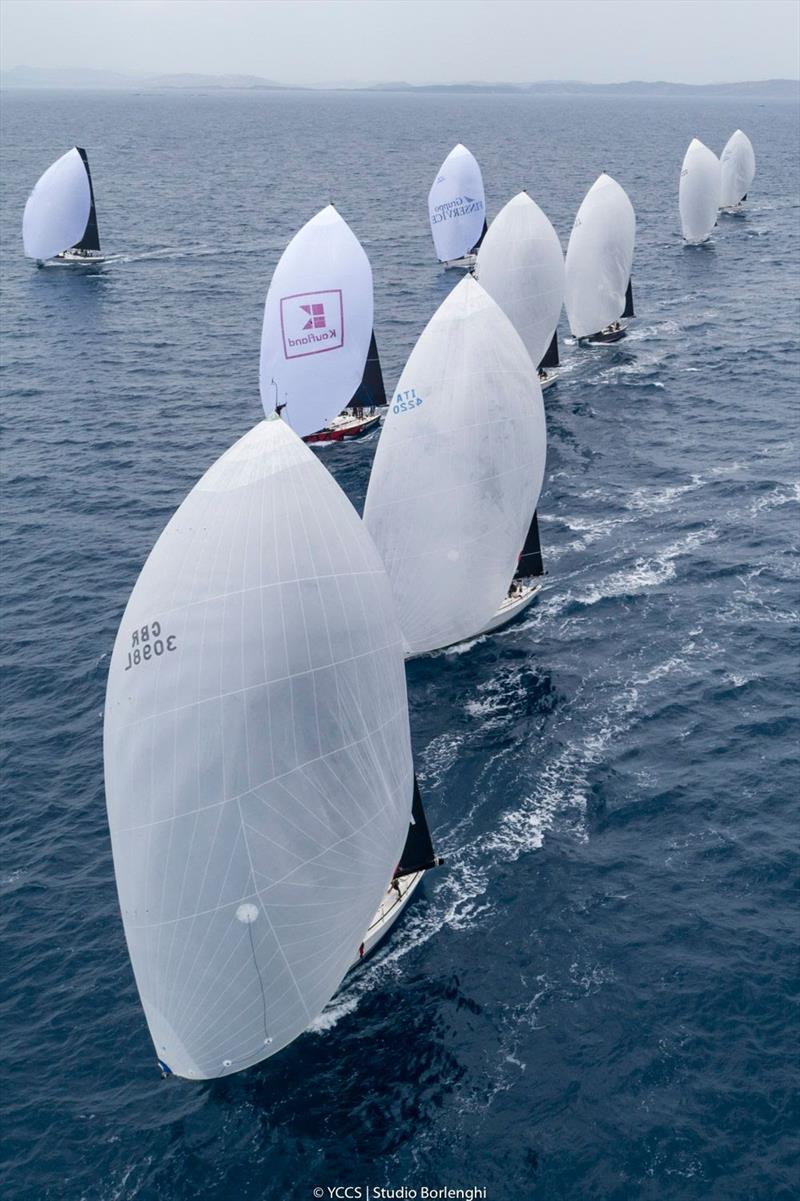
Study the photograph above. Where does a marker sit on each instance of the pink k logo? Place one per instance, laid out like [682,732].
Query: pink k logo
[316,316]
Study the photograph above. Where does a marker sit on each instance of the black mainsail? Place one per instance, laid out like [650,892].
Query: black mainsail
[530,561]
[91,235]
[418,853]
[550,359]
[629,301]
[371,391]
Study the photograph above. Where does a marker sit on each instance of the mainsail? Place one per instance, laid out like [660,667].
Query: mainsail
[550,358]
[60,211]
[259,779]
[521,266]
[457,205]
[371,391]
[738,169]
[599,258]
[418,853]
[458,470]
[317,324]
[699,191]
[530,560]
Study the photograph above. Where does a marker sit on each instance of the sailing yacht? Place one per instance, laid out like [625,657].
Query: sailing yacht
[457,471]
[266,824]
[60,219]
[699,192]
[457,209]
[363,414]
[598,288]
[521,265]
[738,169]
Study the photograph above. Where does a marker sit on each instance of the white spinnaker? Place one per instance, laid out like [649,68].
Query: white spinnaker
[699,191]
[599,258]
[521,266]
[317,324]
[458,470]
[58,208]
[738,169]
[457,205]
[258,765]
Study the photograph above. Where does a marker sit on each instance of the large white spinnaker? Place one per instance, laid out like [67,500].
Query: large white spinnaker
[521,266]
[458,470]
[59,208]
[457,205]
[258,766]
[699,191]
[599,258]
[317,324]
[738,169]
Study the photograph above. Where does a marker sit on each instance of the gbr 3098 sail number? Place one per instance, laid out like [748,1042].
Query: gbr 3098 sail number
[149,642]
[405,401]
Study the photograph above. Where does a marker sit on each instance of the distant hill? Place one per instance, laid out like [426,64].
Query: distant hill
[70,78]
[567,87]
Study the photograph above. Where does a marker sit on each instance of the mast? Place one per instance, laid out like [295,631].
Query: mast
[371,391]
[628,310]
[550,359]
[418,853]
[91,235]
[530,560]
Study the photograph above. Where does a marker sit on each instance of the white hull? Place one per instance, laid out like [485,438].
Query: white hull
[389,910]
[549,380]
[465,263]
[512,606]
[69,256]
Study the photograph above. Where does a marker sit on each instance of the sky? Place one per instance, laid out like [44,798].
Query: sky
[420,41]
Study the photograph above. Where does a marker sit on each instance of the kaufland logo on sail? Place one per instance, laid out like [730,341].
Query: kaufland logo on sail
[456,208]
[311,323]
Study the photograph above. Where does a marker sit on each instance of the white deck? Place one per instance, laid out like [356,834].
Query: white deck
[393,903]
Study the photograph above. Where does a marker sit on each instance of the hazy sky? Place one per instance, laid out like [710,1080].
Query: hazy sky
[313,41]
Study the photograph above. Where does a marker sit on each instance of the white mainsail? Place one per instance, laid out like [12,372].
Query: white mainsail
[521,266]
[599,258]
[457,205]
[258,765]
[58,208]
[317,324]
[699,191]
[738,169]
[458,470]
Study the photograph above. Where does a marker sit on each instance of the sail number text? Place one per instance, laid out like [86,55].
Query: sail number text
[149,642]
[405,401]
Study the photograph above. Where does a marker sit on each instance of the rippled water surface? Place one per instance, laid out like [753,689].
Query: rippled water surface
[594,997]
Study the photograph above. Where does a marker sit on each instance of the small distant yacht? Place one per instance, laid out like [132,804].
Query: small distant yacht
[60,219]
[599,292]
[457,209]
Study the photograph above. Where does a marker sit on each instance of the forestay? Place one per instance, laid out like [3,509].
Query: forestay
[258,767]
[599,258]
[738,169]
[317,324]
[58,208]
[457,205]
[521,266]
[699,192]
[458,470]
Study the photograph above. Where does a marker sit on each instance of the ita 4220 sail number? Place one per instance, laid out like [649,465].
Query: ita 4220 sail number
[149,642]
[405,401]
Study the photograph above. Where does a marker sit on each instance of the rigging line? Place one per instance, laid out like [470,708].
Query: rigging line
[267,1038]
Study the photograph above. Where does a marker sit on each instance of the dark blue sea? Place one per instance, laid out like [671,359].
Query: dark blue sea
[597,996]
